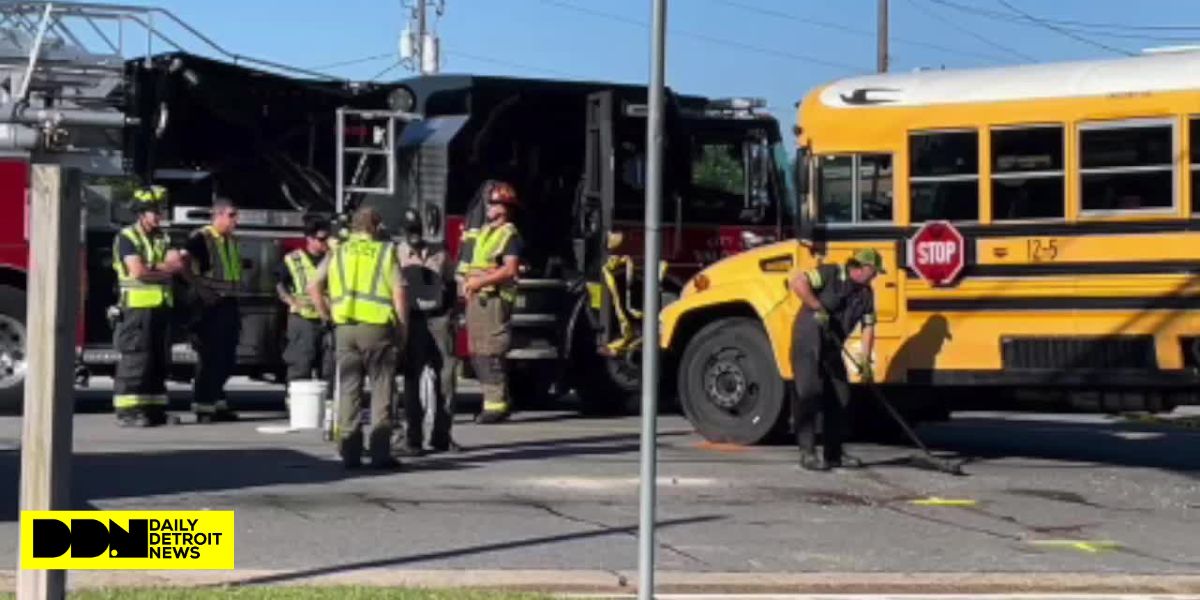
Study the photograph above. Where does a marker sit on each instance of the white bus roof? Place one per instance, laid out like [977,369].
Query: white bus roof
[1174,71]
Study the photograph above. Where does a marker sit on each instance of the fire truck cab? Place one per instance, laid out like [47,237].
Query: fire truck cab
[575,152]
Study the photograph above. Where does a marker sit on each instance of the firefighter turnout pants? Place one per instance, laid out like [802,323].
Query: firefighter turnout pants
[143,339]
[215,340]
[429,381]
[822,388]
[366,351]
[309,351]
[488,328]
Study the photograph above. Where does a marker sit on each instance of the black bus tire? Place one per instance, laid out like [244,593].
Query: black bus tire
[729,387]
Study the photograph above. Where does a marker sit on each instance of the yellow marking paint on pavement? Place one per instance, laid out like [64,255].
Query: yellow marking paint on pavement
[936,501]
[1088,546]
[720,447]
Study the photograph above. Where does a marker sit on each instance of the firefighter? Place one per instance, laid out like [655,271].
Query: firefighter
[145,269]
[216,275]
[368,305]
[309,349]
[489,263]
[430,364]
[835,299]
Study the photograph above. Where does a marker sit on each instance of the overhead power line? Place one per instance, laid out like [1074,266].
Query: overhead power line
[387,70]
[934,15]
[1130,32]
[354,61]
[506,63]
[1069,23]
[1062,31]
[856,31]
[710,38]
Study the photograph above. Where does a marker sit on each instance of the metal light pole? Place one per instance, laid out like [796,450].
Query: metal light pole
[650,302]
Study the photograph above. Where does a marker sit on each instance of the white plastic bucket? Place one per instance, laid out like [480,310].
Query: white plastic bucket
[304,403]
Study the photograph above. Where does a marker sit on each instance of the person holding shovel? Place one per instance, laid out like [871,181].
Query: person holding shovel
[836,299]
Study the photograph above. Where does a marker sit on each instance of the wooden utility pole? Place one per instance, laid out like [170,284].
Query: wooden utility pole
[882,58]
[52,309]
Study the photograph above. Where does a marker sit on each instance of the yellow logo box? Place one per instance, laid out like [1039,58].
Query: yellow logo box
[127,539]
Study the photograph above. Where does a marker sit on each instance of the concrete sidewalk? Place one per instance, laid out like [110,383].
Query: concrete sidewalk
[676,582]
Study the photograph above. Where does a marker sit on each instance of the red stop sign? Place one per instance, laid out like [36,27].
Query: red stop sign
[937,252]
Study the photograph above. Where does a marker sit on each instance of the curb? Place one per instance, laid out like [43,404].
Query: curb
[624,582]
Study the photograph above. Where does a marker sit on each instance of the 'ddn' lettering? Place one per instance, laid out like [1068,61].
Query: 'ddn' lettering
[90,538]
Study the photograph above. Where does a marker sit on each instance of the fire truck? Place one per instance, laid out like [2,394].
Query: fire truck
[258,133]
[575,152]
[287,144]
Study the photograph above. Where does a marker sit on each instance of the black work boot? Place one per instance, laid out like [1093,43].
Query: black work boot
[809,461]
[380,449]
[446,446]
[156,416]
[128,417]
[350,449]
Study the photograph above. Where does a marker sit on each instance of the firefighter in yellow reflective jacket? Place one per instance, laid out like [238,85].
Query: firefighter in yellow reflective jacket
[367,303]
[145,268]
[309,349]
[216,276]
[489,260]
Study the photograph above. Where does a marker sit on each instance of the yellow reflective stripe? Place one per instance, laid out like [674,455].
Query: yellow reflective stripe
[302,269]
[815,280]
[495,406]
[222,252]
[135,293]
[139,400]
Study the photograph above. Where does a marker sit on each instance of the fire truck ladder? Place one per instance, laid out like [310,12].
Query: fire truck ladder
[62,64]
[366,139]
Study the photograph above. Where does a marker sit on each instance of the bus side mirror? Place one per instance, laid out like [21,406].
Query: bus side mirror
[800,171]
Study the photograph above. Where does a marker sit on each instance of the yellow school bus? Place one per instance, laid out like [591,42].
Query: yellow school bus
[1074,189]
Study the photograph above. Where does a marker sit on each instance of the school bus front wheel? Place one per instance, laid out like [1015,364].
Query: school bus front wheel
[729,387]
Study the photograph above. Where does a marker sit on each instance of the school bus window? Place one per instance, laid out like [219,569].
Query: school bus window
[1194,133]
[1028,180]
[1127,167]
[875,188]
[944,175]
[835,189]
[855,188]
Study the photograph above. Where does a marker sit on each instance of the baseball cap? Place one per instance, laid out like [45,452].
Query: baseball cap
[870,256]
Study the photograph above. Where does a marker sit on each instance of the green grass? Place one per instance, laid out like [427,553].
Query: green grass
[293,593]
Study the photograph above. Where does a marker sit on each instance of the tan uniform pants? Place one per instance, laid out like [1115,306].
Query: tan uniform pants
[488,328]
[367,351]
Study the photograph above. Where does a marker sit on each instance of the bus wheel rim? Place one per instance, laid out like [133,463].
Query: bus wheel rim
[725,382]
[12,352]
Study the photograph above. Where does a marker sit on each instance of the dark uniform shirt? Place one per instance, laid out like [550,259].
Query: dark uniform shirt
[197,248]
[126,248]
[849,303]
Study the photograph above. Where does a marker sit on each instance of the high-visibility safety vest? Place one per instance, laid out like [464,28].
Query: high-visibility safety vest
[152,250]
[300,266]
[360,281]
[486,252]
[224,259]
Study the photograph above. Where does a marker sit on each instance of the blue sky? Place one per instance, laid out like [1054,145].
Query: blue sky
[774,49]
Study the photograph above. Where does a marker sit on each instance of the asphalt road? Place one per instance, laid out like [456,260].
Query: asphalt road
[1047,494]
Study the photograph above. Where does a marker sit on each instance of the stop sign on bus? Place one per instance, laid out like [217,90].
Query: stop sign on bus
[937,253]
